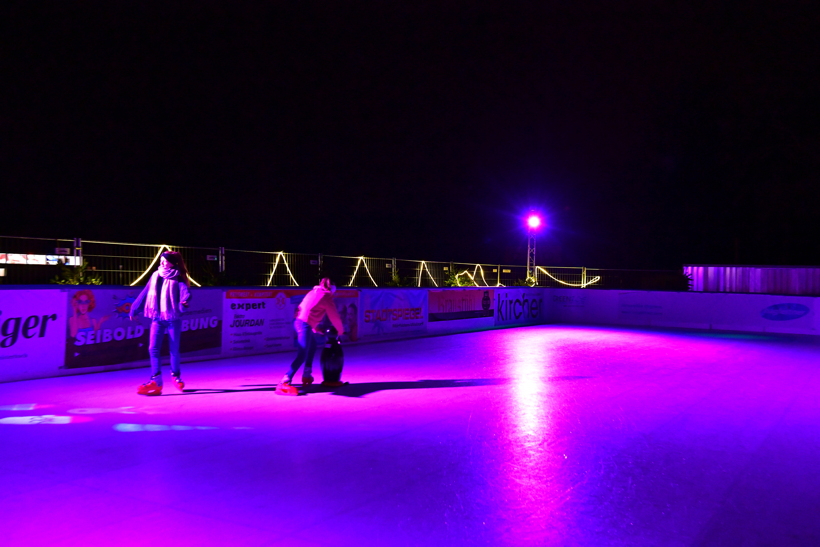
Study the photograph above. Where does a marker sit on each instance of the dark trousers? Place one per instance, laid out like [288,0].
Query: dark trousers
[158,330]
[306,339]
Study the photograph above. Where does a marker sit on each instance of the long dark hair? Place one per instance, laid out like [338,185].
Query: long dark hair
[176,261]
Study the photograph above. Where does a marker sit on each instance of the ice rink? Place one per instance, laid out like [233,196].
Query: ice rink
[547,435]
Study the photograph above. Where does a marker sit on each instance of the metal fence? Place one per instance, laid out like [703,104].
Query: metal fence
[35,261]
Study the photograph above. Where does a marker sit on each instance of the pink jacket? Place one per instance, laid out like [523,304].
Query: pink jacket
[315,305]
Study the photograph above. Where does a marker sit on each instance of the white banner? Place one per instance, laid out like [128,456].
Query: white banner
[32,327]
[764,313]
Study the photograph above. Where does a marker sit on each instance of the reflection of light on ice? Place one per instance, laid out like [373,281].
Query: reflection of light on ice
[131,428]
[24,406]
[47,419]
[119,410]
[530,478]
[530,398]
[529,366]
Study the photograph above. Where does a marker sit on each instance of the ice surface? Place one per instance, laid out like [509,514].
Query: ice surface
[548,435]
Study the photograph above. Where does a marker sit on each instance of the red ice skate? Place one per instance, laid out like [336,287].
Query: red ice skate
[285,388]
[180,385]
[151,388]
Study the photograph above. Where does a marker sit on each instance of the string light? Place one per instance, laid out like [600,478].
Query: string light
[577,285]
[281,255]
[151,266]
[162,249]
[465,272]
[362,261]
[478,269]
[423,265]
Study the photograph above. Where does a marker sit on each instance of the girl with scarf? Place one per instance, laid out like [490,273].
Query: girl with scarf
[162,300]
[316,304]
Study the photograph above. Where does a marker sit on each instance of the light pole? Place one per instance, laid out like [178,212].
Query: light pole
[533,223]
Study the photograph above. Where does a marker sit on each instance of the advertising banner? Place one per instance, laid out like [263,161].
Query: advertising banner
[261,320]
[671,309]
[642,308]
[454,304]
[459,310]
[393,313]
[524,306]
[32,324]
[633,308]
[100,333]
[719,311]
[258,320]
[580,306]
[347,304]
[764,313]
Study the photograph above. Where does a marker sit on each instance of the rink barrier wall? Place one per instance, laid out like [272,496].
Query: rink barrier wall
[47,331]
[761,313]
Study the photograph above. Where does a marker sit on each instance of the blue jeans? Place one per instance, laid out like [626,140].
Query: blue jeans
[158,330]
[306,339]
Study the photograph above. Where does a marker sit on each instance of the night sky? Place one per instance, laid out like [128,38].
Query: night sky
[650,134]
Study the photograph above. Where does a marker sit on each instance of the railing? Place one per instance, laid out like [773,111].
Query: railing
[113,263]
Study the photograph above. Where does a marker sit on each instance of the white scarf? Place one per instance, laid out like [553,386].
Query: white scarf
[168,297]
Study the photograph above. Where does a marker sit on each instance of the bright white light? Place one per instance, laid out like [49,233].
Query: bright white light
[151,265]
[478,269]
[422,267]
[162,249]
[281,256]
[581,285]
[533,221]
[361,261]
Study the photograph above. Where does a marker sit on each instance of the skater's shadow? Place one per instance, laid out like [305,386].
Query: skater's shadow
[563,378]
[360,390]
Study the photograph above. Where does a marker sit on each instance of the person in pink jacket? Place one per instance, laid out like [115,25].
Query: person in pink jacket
[316,304]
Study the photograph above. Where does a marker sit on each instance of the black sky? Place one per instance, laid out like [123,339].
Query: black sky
[652,134]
